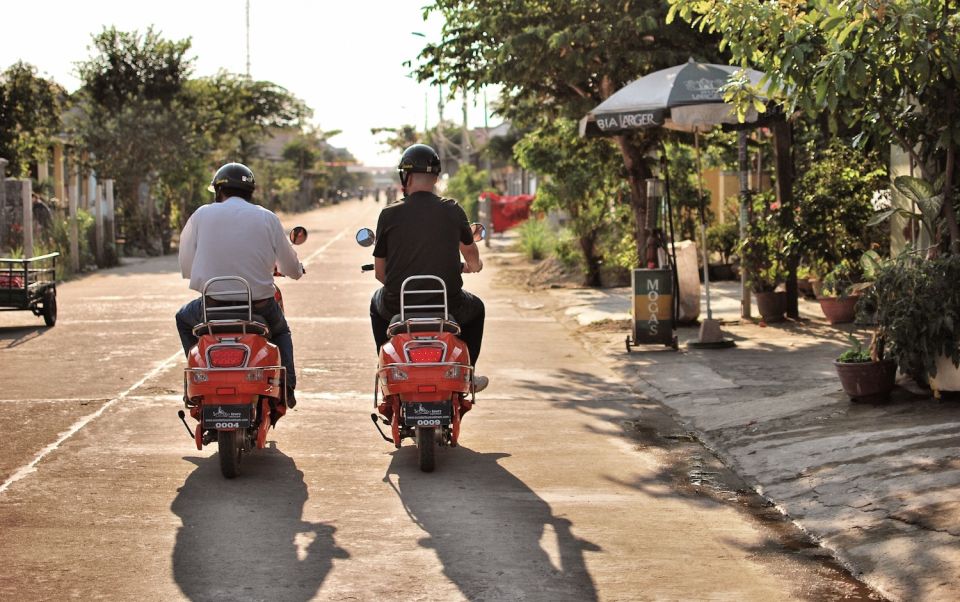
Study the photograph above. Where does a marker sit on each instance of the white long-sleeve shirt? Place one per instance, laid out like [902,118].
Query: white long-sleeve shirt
[236,238]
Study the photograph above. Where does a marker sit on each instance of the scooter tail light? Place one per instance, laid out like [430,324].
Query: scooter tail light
[397,374]
[453,372]
[426,354]
[227,357]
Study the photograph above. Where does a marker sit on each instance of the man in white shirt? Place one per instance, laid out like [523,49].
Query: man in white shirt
[234,237]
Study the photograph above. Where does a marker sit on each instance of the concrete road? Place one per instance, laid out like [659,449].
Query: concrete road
[104,496]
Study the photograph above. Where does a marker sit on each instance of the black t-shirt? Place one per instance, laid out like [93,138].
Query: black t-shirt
[421,235]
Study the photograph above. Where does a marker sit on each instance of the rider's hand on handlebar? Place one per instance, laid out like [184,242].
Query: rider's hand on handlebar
[469,268]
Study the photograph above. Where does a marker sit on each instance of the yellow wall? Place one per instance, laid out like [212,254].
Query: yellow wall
[725,184]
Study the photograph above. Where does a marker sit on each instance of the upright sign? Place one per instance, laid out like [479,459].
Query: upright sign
[652,307]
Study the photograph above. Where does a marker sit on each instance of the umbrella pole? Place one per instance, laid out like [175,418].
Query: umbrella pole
[703,223]
[711,337]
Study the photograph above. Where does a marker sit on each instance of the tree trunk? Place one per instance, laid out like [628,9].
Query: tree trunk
[948,211]
[588,246]
[637,173]
[784,163]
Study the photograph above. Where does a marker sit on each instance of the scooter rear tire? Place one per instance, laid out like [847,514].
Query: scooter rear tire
[230,451]
[426,448]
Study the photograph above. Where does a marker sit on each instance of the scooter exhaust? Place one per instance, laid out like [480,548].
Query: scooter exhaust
[183,419]
[376,423]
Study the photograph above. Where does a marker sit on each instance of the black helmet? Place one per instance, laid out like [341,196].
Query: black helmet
[418,158]
[236,176]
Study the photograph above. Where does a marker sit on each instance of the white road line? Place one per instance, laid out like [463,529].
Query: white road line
[29,468]
[316,253]
[58,400]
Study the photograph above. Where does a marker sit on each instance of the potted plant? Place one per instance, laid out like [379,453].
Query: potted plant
[917,306]
[915,297]
[762,259]
[837,298]
[722,239]
[865,374]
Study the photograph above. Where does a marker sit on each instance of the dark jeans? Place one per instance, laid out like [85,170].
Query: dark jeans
[191,314]
[469,315]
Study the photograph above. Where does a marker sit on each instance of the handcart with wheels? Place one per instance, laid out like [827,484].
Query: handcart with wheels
[30,284]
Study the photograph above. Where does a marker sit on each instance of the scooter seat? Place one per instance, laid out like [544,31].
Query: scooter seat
[423,322]
[233,322]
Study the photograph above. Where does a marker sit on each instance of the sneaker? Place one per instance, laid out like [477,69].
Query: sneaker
[291,399]
[480,383]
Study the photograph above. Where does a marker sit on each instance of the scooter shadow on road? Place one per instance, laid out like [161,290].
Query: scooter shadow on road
[496,538]
[245,538]
[12,336]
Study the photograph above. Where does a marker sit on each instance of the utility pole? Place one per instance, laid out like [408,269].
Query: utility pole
[465,136]
[248,38]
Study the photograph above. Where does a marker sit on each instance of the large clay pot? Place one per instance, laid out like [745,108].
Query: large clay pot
[867,381]
[947,379]
[772,306]
[839,310]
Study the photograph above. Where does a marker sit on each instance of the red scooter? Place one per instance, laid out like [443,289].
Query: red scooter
[234,384]
[424,371]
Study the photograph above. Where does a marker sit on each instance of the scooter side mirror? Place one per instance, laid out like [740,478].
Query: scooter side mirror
[366,237]
[479,231]
[298,235]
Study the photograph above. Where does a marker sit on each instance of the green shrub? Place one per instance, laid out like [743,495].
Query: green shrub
[536,239]
[567,250]
[723,239]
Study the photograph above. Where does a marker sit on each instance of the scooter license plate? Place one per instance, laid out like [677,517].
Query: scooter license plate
[226,416]
[427,414]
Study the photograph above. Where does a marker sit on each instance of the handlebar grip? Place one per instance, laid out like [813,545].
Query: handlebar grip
[367,267]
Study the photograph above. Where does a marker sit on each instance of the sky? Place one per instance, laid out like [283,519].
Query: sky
[344,58]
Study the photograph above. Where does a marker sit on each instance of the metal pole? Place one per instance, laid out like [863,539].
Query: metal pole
[26,197]
[248,38]
[110,219]
[744,199]
[74,233]
[98,213]
[703,225]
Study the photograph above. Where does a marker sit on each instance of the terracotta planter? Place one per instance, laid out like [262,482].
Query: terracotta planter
[839,310]
[772,306]
[947,379]
[867,381]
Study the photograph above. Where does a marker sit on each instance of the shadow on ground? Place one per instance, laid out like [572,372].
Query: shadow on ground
[244,538]
[504,546]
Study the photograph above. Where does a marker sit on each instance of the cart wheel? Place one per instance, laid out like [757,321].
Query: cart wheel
[675,343]
[627,341]
[50,308]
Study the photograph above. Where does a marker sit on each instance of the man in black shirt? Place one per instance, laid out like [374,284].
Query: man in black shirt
[425,234]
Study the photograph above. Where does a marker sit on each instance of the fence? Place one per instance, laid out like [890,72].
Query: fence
[23,213]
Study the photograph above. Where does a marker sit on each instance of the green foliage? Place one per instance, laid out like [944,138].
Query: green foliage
[536,239]
[145,123]
[567,250]
[917,306]
[856,353]
[833,196]
[723,239]
[581,178]
[556,61]
[30,108]
[465,186]
[840,280]
[765,248]
[888,69]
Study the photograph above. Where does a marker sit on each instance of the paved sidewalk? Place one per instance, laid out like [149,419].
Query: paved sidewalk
[877,485]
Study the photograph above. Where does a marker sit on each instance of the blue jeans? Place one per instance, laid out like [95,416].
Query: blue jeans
[191,314]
